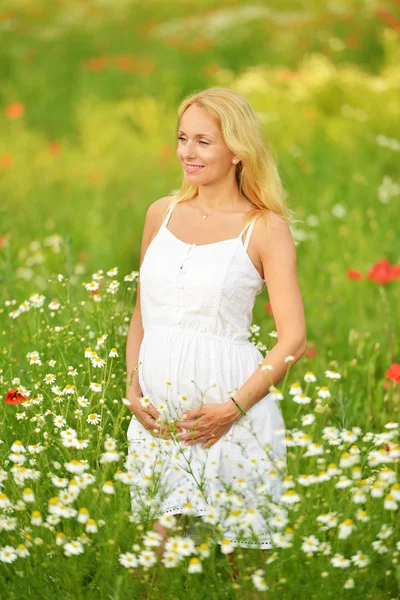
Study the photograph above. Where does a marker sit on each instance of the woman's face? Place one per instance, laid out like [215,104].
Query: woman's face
[200,143]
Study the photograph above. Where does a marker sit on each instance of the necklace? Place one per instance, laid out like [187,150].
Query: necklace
[214,213]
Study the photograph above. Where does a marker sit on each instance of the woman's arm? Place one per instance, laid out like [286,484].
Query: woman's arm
[278,256]
[147,415]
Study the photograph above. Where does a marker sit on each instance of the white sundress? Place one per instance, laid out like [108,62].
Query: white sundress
[197,302]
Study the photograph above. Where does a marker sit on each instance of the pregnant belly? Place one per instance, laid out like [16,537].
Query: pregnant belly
[182,371]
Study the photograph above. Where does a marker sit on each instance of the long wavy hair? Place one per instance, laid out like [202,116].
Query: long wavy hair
[257,174]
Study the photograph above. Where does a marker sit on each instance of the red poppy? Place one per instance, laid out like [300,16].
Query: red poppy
[395,271]
[381,271]
[15,110]
[311,352]
[393,372]
[14,397]
[1,241]
[353,274]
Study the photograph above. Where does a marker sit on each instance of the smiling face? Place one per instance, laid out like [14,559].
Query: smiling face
[200,144]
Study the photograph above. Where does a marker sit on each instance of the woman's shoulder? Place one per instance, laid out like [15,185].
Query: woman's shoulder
[156,213]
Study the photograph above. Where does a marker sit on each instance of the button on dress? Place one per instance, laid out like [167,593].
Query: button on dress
[197,302]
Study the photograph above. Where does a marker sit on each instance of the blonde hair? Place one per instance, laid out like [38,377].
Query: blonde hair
[257,174]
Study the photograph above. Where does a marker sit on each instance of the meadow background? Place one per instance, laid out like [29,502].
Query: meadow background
[88,95]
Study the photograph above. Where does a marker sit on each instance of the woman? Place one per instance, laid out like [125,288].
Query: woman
[207,252]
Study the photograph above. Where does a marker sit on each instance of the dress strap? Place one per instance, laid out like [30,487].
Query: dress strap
[250,229]
[171,208]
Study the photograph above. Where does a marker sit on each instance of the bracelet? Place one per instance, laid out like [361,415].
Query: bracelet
[239,407]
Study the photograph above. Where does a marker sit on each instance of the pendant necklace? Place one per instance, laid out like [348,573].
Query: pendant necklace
[214,213]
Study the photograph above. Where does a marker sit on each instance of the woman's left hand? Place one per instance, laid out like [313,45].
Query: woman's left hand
[208,423]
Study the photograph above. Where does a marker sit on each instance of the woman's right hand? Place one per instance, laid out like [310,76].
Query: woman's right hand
[147,416]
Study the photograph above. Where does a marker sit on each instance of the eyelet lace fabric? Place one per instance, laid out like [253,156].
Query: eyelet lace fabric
[197,303]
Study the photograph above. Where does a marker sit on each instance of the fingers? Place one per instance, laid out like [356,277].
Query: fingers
[152,411]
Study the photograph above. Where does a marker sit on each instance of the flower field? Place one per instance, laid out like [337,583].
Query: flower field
[87,115]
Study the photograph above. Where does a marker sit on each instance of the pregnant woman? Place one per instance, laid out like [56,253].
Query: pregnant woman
[207,251]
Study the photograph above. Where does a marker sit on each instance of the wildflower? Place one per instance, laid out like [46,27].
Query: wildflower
[82,401]
[49,378]
[188,509]
[28,495]
[83,515]
[332,374]
[95,387]
[288,358]
[14,110]
[203,550]
[14,397]
[339,560]
[379,547]
[393,373]
[323,392]
[128,560]
[168,521]
[226,546]
[267,367]
[98,362]
[301,399]
[152,538]
[345,529]
[93,419]
[307,419]
[295,389]
[290,497]
[381,272]
[259,581]
[349,584]
[36,518]
[91,526]
[145,401]
[8,554]
[389,503]
[170,559]
[76,466]
[354,274]
[310,377]
[108,487]
[276,393]
[73,548]
[147,558]
[195,565]
[131,276]
[113,353]
[310,544]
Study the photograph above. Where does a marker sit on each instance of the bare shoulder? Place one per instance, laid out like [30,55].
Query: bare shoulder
[155,213]
[157,208]
[271,231]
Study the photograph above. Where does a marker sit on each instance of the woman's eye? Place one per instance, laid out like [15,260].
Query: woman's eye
[201,141]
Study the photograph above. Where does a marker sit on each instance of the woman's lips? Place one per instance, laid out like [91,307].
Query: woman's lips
[193,169]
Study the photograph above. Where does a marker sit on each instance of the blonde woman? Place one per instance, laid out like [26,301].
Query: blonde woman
[207,251]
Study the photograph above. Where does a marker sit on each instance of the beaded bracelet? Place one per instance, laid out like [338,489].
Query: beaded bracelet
[239,407]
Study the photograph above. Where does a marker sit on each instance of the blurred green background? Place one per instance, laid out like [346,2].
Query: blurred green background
[88,98]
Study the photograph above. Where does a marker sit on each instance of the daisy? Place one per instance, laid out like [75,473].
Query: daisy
[93,419]
[128,560]
[195,565]
[226,546]
[96,387]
